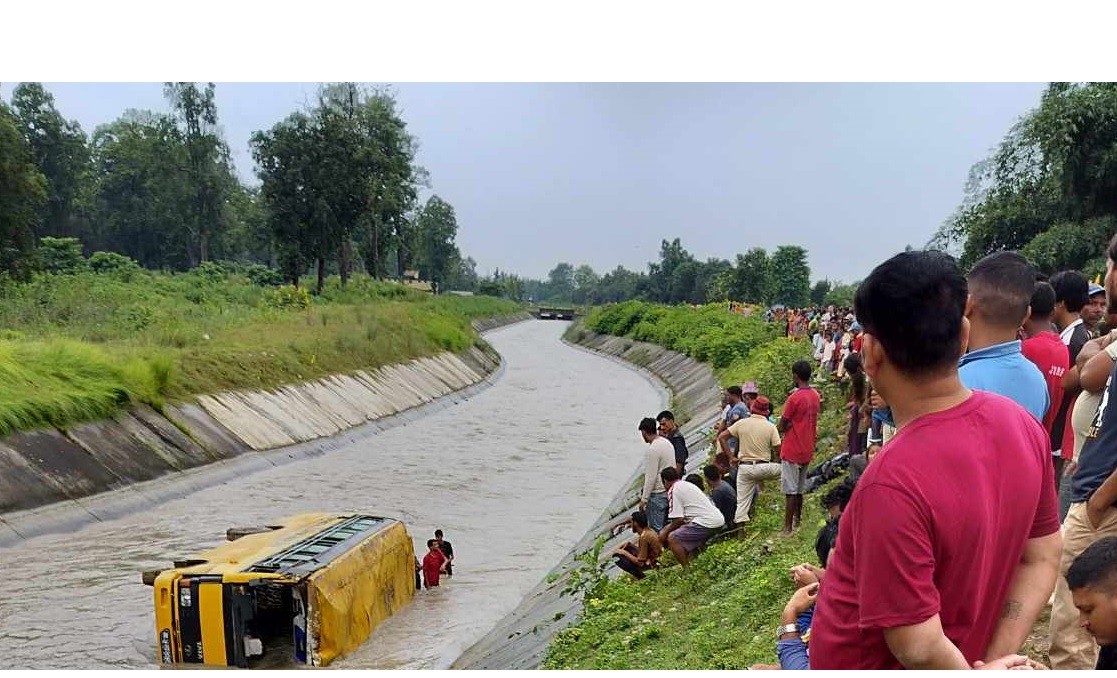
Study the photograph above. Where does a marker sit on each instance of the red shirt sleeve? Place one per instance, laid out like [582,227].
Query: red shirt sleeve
[790,406]
[892,547]
[1047,511]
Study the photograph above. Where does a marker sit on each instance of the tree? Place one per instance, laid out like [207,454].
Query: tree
[436,229]
[23,192]
[751,280]
[1056,166]
[791,277]
[585,284]
[284,158]
[141,202]
[207,162]
[819,292]
[60,151]
[1069,246]
[841,294]
[560,282]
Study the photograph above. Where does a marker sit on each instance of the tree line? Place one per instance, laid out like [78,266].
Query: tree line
[339,189]
[678,277]
[1050,187]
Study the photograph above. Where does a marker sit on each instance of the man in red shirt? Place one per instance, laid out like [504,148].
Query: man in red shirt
[1045,349]
[434,564]
[949,547]
[799,426]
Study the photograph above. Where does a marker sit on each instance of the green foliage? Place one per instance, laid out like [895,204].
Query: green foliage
[82,345]
[769,365]
[1070,246]
[1056,166]
[23,193]
[589,577]
[289,297]
[116,264]
[261,275]
[60,255]
[790,276]
[841,294]
[709,333]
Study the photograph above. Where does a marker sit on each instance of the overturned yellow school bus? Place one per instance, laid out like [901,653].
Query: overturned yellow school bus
[306,591]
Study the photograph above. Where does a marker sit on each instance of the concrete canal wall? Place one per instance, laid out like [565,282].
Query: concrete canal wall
[521,639]
[54,479]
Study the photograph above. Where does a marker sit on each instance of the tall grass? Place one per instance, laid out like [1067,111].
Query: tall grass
[77,347]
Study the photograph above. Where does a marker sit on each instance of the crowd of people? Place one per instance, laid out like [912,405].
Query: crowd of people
[982,470]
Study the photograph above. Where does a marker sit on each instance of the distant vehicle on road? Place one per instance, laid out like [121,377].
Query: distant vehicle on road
[306,591]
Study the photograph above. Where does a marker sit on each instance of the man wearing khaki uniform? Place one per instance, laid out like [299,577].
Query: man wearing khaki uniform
[758,442]
[1093,492]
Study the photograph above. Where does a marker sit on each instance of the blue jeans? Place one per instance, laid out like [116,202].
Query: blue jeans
[657,510]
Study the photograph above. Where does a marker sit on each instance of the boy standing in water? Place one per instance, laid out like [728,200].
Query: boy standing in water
[434,563]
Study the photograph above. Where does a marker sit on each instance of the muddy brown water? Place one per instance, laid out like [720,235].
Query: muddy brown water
[514,476]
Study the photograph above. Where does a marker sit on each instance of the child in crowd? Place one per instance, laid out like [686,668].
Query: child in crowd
[1092,579]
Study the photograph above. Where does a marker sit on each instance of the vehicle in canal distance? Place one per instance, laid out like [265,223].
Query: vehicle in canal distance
[306,591]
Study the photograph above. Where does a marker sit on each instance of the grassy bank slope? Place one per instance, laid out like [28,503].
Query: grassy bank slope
[77,347]
[720,613]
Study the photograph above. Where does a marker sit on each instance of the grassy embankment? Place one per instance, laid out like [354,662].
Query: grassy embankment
[720,613]
[78,347]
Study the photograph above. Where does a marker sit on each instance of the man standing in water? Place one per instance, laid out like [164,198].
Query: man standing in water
[661,454]
[447,550]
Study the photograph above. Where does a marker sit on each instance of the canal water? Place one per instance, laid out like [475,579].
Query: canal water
[514,477]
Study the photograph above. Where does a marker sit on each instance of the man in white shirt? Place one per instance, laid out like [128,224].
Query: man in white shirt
[661,455]
[694,518]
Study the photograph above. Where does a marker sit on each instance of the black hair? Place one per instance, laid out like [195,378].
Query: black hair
[802,370]
[838,496]
[1096,567]
[913,304]
[438,533]
[668,474]
[696,480]
[734,390]
[666,414]
[1043,300]
[857,380]
[640,518]
[648,425]
[1071,288]
[431,542]
[1001,285]
[711,472]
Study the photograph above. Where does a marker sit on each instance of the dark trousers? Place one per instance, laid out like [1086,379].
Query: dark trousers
[627,565]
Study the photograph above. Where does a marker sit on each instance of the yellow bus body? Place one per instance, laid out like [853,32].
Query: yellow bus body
[326,580]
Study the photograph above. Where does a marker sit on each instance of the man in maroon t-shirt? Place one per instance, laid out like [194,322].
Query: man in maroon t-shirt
[799,426]
[950,546]
[1045,349]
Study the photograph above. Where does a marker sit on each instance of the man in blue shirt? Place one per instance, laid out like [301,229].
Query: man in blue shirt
[1000,291]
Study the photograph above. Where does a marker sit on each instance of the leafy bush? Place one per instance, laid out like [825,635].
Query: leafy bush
[60,255]
[211,272]
[263,276]
[116,264]
[289,297]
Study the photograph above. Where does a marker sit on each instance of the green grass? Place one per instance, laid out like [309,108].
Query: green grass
[79,347]
[721,612]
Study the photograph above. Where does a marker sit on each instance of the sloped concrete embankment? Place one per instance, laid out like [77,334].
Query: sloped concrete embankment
[521,639]
[57,479]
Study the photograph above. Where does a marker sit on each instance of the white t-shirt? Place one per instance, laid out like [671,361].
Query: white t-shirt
[661,454]
[692,504]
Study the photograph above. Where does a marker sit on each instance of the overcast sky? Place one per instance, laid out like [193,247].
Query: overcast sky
[600,174]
